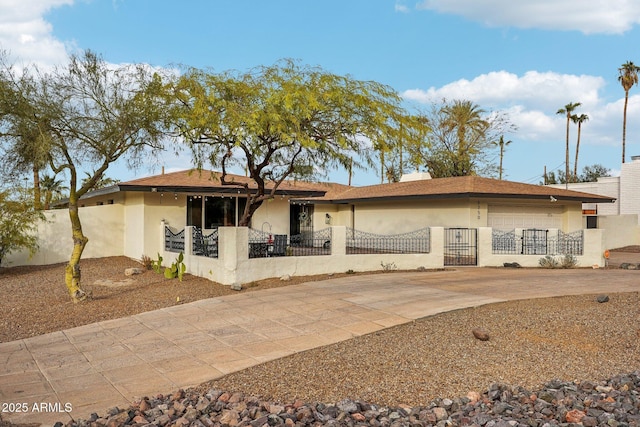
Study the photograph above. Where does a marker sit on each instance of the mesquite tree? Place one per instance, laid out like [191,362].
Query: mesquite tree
[285,121]
[92,115]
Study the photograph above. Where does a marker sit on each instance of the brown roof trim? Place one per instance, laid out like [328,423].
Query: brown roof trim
[456,196]
[459,188]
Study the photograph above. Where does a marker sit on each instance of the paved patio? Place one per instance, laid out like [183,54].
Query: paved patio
[111,363]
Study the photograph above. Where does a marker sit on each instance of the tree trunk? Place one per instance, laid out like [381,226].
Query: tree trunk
[72,271]
[624,122]
[567,171]
[37,205]
[501,156]
[575,164]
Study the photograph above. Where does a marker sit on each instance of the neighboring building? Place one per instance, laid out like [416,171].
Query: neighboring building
[624,188]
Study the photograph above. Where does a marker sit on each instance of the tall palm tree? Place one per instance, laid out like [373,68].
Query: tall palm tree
[568,111]
[502,143]
[467,119]
[579,119]
[628,76]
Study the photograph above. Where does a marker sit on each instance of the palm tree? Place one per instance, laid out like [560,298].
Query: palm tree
[579,120]
[568,110]
[470,125]
[627,78]
[502,143]
[51,187]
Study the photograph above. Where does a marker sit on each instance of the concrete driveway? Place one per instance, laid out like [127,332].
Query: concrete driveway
[75,372]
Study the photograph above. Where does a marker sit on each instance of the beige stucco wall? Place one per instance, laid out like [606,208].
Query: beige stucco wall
[619,230]
[103,226]
[272,216]
[593,253]
[407,216]
[234,266]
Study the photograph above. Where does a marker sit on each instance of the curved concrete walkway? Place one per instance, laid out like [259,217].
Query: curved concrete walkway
[94,367]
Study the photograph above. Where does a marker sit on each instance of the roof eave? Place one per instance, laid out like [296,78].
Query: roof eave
[461,196]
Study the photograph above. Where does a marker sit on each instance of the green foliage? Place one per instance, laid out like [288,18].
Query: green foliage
[86,116]
[157,265]
[177,269]
[589,174]
[462,139]
[18,225]
[285,121]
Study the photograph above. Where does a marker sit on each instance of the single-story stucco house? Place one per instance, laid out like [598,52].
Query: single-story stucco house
[138,217]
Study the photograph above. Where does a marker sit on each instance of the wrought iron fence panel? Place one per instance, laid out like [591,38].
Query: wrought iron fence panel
[415,242]
[569,243]
[535,242]
[205,244]
[309,243]
[259,243]
[505,242]
[173,242]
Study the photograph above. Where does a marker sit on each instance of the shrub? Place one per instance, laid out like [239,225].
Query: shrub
[177,268]
[390,266]
[548,262]
[146,261]
[564,261]
[568,261]
[157,265]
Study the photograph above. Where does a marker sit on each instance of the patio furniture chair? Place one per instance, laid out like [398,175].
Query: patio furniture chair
[279,245]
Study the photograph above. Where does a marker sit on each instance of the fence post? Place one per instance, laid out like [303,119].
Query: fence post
[485,246]
[436,236]
[338,240]
[593,248]
[188,240]
[163,242]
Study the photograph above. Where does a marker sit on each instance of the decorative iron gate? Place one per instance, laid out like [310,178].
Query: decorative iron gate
[534,242]
[460,246]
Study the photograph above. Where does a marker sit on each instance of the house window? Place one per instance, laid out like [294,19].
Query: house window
[592,222]
[213,212]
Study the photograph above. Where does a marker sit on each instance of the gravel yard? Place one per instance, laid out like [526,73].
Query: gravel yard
[531,342]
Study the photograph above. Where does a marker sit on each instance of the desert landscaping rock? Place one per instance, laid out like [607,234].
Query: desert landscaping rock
[480,334]
[132,271]
[612,403]
[602,298]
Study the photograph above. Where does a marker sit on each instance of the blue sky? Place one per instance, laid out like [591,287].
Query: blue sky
[527,59]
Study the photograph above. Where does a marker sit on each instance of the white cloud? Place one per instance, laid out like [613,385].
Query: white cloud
[537,90]
[587,16]
[26,36]
[399,7]
[532,100]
